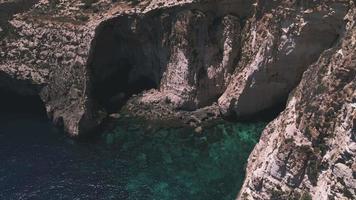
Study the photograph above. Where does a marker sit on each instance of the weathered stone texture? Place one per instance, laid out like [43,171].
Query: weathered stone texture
[195,60]
[309,148]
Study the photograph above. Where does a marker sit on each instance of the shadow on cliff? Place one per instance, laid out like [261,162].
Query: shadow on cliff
[265,115]
[123,62]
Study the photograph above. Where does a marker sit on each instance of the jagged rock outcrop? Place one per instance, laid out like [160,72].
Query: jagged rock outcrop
[308,152]
[85,60]
[45,49]
[279,43]
[194,60]
[188,56]
[204,50]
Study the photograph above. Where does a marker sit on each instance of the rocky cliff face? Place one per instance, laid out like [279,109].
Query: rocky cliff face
[279,42]
[86,61]
[188,56]
[196,60]
[309,150]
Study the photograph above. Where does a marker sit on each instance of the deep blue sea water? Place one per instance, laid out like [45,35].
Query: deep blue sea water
[37,161]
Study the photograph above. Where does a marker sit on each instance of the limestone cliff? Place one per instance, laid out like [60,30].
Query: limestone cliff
[309,150]
[85,60]
[279,42]
[88,59]
[195,60]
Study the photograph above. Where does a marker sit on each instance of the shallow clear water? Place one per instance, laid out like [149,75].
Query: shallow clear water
[131,162]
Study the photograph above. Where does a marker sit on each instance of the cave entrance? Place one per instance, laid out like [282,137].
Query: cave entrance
[266,115]
[113,92]
[14,103]
[119,66]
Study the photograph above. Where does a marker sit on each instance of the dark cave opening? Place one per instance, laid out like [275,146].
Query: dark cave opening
[113,92]
[14,103]
[265,115]
[120,65]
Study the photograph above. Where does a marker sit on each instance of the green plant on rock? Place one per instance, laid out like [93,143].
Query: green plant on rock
[134,2]
[88,3]
[313,171]
[277,194]
[306,196]
[53,3]
[82,17]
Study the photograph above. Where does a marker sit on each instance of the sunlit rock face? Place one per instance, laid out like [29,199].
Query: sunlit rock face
[187,53]
[207,58]
[309,150]
[89,59]
[279,43]
[204,50]
[246,56]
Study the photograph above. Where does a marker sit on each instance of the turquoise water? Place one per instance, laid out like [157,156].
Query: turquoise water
[178,163]
[133,161]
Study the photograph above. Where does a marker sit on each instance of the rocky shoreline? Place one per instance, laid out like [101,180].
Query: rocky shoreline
[198,61]
[204,54]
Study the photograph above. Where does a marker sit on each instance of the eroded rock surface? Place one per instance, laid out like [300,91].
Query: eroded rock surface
[279,43]
[86,60]
[309,150]
[194,61]
[188,56]
[45,49]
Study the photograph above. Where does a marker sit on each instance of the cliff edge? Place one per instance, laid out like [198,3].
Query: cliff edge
[308,152]
[198,60]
